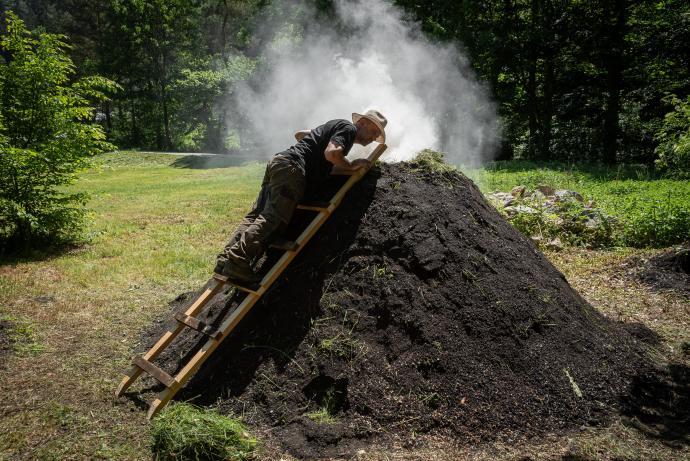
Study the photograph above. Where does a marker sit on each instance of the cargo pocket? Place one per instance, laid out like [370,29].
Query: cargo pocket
[284,207]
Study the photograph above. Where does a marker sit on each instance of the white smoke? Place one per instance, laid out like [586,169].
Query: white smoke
[426,90]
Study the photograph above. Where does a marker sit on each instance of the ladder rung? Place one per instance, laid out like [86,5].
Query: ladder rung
[196,324]
[314,206]
[283,244]
[154,371]
[224,279]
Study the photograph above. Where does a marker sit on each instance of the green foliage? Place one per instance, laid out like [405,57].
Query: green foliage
[47,135]
[569,221]
[431,161]
[183,432]
[674,140]
[649,212]
[655,221]
[574,81]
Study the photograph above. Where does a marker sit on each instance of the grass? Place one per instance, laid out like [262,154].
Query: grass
[321,416]
[653,212]
[23,336]
[153,232]
[183,432]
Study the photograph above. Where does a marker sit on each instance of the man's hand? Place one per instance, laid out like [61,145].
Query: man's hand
[360,163]
[301,134]
[334,154]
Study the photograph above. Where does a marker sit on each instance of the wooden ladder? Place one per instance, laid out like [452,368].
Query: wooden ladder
[216,284]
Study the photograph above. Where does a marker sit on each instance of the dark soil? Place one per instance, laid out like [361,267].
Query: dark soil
[5,341]
[669,270]
[417,309]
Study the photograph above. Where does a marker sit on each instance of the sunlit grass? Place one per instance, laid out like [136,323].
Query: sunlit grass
[153,233]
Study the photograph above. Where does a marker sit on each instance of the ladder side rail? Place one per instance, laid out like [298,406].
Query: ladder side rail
[165,340]
[236,316]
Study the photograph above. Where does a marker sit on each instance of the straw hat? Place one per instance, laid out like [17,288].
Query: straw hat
[377,119]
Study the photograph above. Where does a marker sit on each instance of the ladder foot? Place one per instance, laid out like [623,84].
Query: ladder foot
[156,406]
[127,381]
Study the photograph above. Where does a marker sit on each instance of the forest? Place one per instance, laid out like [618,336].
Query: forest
[574,81]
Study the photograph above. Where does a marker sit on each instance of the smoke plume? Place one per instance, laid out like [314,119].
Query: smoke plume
[368,56]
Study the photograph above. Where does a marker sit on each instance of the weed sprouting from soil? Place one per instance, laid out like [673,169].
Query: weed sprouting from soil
[183,431]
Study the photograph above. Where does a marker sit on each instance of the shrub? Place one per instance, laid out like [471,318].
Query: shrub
[674,140]
[47,135]
[663,222]
[183,431]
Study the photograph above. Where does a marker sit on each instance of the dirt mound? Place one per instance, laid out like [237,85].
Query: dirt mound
[669,270]
[417,309]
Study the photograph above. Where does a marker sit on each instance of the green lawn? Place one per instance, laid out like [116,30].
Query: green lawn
[153,232]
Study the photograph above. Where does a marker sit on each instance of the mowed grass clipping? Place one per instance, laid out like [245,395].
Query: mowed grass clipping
[185,432]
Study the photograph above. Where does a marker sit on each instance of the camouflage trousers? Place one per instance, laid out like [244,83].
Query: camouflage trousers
[281,190]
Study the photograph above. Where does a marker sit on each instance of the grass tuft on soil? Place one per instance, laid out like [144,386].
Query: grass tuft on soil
[431,161]
[22,335]
[183,431]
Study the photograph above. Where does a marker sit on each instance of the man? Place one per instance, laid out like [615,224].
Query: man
[307,164]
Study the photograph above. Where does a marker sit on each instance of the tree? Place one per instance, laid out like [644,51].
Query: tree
[674,140]
[47,134]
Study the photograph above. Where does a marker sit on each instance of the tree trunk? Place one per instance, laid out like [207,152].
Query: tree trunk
[164,102]
[549,62]
[532,103]
[108,120]
[613,63]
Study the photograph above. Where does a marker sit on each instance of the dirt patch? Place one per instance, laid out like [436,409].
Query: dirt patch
[659,404]
[416,310]
[5,341]
[669,270]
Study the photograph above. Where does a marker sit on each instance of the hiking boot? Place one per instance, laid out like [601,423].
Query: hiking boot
[220,267]
[240,272]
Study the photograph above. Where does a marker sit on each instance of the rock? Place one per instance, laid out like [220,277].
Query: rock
[546,190]
[503,198]
[554,244]
[518,191]
[550,206]
[515,209]
[537,195]
[563,195]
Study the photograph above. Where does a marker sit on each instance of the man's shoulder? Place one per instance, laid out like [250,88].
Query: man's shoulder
[340,123]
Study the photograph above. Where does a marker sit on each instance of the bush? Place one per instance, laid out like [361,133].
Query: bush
[47,134]
[183,431]
[674,140]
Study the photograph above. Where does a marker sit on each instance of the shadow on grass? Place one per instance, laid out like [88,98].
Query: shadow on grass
[11,255]
[205,162]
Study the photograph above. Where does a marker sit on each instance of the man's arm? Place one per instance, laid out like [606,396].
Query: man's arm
[301,133]
[334,154]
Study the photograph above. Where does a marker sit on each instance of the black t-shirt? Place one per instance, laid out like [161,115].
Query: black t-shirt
[309,151]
